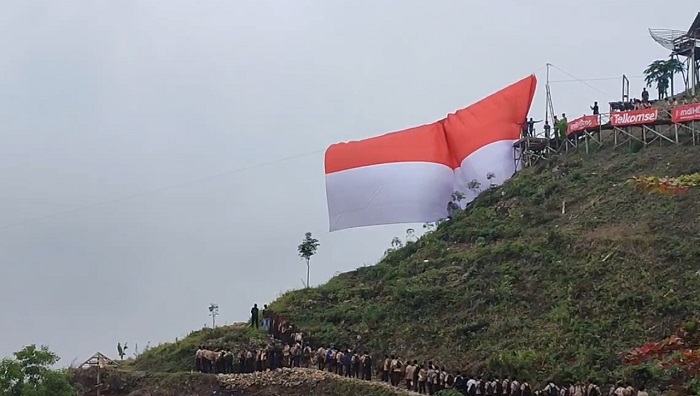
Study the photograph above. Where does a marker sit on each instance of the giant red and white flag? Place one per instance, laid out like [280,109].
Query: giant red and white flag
[410,175]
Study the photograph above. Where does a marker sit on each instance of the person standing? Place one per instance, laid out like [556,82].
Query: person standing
[254,316]
[266,318]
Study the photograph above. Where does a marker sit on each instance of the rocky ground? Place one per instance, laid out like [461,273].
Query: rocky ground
[313,382]
[288,382]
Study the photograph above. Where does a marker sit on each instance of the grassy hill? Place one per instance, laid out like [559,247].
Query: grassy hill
[178,356]
[515,286]
[166,370]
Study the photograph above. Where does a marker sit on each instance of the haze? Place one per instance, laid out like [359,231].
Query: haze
[115,115]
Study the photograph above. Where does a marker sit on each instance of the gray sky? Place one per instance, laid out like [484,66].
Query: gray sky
[104,99]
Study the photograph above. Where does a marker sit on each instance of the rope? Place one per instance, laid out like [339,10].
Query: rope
[157,190]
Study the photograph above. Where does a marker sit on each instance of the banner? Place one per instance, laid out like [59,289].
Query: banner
[686,113]
[634,117]
[585,122]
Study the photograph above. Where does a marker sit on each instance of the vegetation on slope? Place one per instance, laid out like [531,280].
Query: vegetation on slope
[178,356]
[556,273]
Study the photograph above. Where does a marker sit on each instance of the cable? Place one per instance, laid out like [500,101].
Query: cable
[538,69]
[593,79]
[581,81]
[157,190]
[126,197]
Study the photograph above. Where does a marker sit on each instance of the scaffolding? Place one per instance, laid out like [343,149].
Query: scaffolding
[528,151]
[683,44]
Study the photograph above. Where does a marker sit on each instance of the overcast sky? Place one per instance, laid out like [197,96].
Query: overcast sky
[101,100]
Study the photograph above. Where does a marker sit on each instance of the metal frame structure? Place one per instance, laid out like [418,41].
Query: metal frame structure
[528,151]
[685,44]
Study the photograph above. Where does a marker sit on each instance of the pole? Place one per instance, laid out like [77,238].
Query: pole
[98,378]
[546,99]
[694,68]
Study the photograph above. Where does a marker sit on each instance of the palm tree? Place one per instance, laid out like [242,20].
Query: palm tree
[661,73]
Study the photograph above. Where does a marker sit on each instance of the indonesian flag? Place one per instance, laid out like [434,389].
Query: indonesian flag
[409,176]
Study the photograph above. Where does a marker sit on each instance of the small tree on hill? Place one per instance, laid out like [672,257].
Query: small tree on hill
[491,177]
[307,249]
[474,186]
[396,244]
[29,373]
[121,350]
[411,235]
[213,312]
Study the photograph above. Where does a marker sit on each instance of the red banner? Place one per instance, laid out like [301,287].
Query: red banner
[585,122]
[686,113]
[634,117]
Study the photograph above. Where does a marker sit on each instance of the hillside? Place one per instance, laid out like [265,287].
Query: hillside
[178,356]
[515,286]
[166,370]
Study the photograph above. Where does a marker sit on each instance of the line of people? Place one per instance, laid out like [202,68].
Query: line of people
[424,378]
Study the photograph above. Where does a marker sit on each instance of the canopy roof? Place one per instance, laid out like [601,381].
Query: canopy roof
[694,30]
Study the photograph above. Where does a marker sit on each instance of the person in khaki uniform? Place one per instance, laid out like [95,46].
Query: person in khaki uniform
[432,378]
[392,366]
[410,369]
[415,375]
[385,368]
[592,389]
[620,390]
[422,379]
[396,371]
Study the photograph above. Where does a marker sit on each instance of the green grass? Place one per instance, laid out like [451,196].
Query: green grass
[179,356]
[513,286]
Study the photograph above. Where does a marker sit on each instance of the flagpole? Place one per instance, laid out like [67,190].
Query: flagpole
[546,99]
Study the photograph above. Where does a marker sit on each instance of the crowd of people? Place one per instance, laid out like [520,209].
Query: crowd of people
[287,347]
[646,103]
[559,130]
[555,132]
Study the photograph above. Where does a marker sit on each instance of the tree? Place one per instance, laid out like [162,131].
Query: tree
[307,248]
[213,312]
[411,235]
[29,373]
[474,186]
[661,73]
[122,350]
[491,177]
[396,244]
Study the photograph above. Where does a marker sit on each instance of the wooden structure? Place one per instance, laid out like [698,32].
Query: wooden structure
[99,362]
[663,131]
